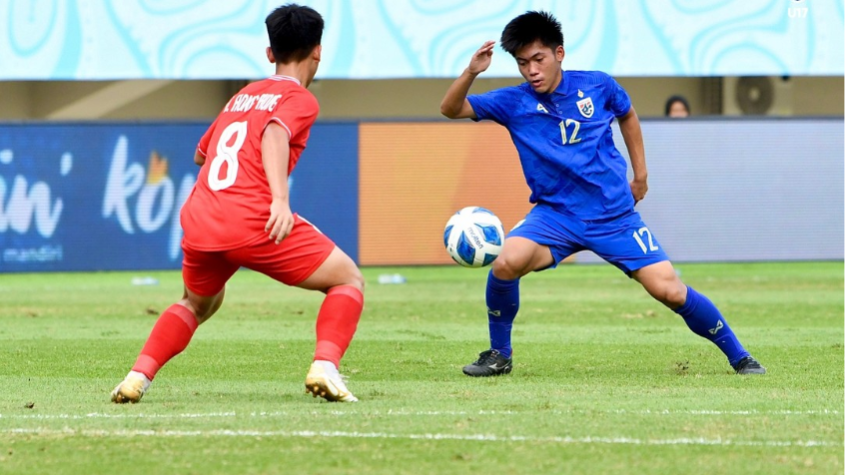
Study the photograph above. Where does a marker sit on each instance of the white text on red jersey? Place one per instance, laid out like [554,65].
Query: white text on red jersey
[245,102]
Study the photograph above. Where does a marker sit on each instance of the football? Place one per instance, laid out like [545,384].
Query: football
[473,237]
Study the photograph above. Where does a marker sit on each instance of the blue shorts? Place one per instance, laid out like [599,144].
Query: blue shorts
[624,241]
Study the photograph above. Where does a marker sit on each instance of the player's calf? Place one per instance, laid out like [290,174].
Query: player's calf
[704,319]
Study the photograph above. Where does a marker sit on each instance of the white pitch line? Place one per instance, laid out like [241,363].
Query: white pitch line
[709,412]
[462,437]
[399,413]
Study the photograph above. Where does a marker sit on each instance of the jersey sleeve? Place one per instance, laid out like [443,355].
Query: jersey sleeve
[203,146]
[295,112]
[496,105]
[618,101]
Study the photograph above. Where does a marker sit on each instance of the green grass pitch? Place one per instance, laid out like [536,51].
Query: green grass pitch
[606,380]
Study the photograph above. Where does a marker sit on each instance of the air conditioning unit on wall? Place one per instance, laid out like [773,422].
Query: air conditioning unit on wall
[757,95]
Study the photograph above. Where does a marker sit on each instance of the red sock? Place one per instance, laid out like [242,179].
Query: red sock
[170,335]
[337,321]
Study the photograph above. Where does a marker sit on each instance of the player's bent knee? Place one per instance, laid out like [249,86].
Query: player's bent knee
[203,307]
[356,280]
[676,296]
[672,295]
[507,267]
[352,275]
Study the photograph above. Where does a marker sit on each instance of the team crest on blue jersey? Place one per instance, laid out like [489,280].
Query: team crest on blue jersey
[585,107]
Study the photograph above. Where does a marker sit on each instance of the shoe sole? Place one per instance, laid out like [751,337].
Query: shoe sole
[504,371]
[319,387]
[753,371]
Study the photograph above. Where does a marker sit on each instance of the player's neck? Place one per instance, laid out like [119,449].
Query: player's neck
[299,71]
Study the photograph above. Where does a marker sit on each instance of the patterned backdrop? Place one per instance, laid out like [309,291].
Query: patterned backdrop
[211,39]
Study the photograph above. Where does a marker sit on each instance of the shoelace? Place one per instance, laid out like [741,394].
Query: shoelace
[344,378]
[486,358]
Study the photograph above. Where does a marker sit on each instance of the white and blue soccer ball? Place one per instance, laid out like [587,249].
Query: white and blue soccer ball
[473,237]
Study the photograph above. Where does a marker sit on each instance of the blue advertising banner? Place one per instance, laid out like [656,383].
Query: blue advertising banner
[107,196]
[324,186]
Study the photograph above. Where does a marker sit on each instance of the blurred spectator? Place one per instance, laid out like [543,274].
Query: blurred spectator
[677,107]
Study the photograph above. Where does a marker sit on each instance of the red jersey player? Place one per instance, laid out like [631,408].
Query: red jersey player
[238,215]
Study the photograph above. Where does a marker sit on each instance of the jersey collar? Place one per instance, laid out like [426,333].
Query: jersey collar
[563,85]
[280,77]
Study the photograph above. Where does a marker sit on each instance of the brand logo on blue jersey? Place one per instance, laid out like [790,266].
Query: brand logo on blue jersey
[585,107]
[542,108]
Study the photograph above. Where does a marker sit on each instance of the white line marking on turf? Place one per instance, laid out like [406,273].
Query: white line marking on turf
[708,412]
[386,435]
[391,412]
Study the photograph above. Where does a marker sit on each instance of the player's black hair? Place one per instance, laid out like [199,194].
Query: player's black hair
[672,100]
[294,30]
[530,27]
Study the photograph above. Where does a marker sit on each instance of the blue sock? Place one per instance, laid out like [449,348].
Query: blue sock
[703,318]
[503,299]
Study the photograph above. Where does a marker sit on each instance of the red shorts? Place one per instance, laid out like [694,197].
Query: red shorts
[291,261]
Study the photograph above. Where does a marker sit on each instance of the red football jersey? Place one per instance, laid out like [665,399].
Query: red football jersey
[230,203]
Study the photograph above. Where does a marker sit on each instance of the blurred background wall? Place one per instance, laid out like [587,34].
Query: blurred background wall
[384,98]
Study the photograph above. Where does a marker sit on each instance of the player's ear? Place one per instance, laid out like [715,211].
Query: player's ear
[559,53]
[315,54]
[270,56]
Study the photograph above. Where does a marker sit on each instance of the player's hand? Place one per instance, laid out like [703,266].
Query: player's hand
[281,221]
[639,188]
[481,58]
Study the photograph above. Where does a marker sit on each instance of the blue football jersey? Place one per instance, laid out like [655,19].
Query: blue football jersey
[565,142]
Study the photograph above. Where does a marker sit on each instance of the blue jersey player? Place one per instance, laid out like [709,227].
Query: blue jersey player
[560,122]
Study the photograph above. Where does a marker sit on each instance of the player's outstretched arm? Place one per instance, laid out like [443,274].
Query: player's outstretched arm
[455,104]
[275,154]
[630,128]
